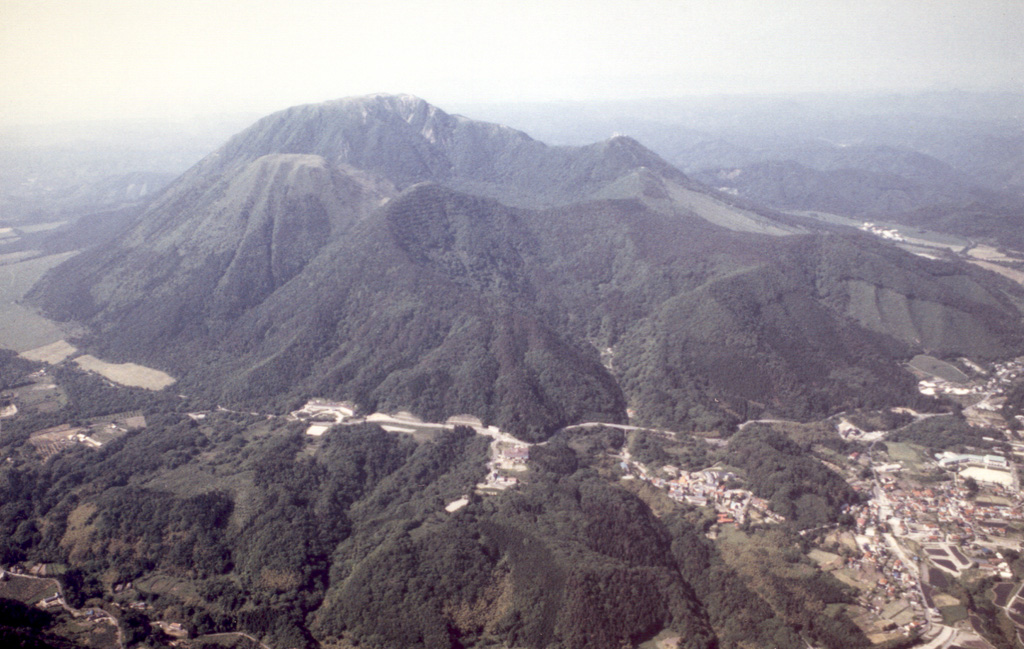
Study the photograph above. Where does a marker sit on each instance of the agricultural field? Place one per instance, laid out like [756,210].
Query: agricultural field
[988,253]
[1009,273]
[128,374]
[27,590]
[166,585]
[41,395]
[11,257]
[937,368]
[52,354]
[1001,593]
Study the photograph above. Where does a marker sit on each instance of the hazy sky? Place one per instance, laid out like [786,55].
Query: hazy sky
[98,59]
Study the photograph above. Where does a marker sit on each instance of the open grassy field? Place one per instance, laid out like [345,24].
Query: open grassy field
[822,558]
[1009,273]
[52,353]
[193,480]
[953,614]
[130,374]
[937,368]
[21,328]
[40,227]
[27,590]
[909,454]
[167,585]
[988,253]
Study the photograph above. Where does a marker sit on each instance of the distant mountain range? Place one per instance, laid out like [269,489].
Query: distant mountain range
[381,250]
[946,161]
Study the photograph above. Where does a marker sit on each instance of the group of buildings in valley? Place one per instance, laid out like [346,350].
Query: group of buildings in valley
[712,487]
[508,455]
[892,234]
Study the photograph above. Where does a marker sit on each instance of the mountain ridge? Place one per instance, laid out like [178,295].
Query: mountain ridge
[335,249]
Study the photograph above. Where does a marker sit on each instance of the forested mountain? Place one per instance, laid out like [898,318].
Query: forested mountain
[237,522]
[381,250]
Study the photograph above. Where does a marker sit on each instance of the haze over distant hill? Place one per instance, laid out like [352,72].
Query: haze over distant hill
[61,171]
[382,250]
[947,160]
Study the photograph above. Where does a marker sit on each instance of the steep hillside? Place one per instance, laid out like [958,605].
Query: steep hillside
[337,250]
[817,324]
[200,257]
[406,140]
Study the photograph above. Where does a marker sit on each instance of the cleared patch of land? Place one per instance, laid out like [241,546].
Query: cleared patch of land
[99,634]
[166,585]
[129,374]
[1008,273]
[41,395]
[22,328]
[732,218]
[938,368]
[988,253]
[52,353]
[823,558]
[228,641]
[909,454]
[27,590]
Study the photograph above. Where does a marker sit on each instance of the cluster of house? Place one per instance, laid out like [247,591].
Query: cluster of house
[892,234]
[934,386]
[893,579]
[953,529]
[708,487]
[507,457]
[96,614]
[97,432]
[1000,376]
[1005,373]
[322,414]
[907,531]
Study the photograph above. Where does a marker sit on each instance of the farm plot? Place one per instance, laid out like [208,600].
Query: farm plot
[129,374]
[167,585]
[937,368]
[42,395]
[52,353]
[27,590]
[1001,593]
[938,578]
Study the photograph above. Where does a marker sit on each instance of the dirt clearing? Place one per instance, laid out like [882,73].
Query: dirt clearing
[129,374]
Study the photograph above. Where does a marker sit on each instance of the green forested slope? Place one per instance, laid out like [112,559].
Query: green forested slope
[252,525]
[276,270]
